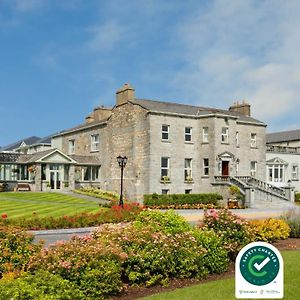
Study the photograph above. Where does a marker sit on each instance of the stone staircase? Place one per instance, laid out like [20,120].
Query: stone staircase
[258,193]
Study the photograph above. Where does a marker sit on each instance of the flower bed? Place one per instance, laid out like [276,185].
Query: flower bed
[114,214]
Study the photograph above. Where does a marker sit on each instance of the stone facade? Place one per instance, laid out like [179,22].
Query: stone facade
[134,128]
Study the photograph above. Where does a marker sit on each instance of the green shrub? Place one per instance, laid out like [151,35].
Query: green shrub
[232,230]
[297,197]
[16,249]
[112,197]
[153,256]
[40,286]
[270,230]
[216,257]
[167,222]
[181,199]
[292,218]
[94,266]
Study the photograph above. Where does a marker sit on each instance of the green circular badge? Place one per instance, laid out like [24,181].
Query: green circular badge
[259,265]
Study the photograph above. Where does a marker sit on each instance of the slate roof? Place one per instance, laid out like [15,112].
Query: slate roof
[19,158]
[283,136]
[184,109]
[28,141]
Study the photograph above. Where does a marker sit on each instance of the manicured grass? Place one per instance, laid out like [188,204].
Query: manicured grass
[224,289]
[29,204]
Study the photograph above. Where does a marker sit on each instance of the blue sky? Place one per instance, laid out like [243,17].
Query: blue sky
[61,58]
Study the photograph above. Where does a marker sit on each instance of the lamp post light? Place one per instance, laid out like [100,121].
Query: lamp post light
[122,163]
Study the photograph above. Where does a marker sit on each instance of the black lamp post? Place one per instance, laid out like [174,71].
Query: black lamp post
[122,163]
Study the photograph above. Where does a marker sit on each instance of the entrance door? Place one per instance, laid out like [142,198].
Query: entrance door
[225,168]
[55,180]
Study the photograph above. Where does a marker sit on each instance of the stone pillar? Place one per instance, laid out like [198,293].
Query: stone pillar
[290,193]
[72,177]
[249,196]
[38,178]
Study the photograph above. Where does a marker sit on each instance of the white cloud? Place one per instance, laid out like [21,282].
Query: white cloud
[244,50]
[106,36]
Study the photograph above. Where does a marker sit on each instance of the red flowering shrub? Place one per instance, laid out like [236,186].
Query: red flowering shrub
[114,214]
[4,216]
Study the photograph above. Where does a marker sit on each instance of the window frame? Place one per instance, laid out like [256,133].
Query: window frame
[165,132]
[205,134]
[188,169]
[95,145]
[205,166]
[225,136]
[253,140]
[253,171]
[71,146]
[165,168]
[295,172]
[188,135]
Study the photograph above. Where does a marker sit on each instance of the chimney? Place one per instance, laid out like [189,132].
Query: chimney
[101,113]
[241,108]
[125,93]
[89,119]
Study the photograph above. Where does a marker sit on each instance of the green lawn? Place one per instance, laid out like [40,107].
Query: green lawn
[224,289]
[28,204]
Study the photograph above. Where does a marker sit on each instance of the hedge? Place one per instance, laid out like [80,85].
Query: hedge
[171,199]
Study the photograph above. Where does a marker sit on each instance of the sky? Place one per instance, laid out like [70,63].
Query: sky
[61,58]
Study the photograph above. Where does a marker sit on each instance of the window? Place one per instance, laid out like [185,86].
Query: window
[253,165]
[295,172]
[205,135]
[165,191]
[90,173]
[188,134]
[275,173]
[95,142]
[237,139]
[71,146]
[224,135]
[188,191]
[188,169]
[165,130]
[253,140]
[205,166]
[164,173]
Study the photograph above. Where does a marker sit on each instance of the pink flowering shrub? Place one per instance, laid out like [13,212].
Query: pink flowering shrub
[15,249]
[92,265]
[155,257]
[233,231]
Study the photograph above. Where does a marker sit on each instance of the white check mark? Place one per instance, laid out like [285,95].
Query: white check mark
[262,264]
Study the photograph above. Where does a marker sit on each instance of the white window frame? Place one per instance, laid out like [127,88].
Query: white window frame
[165,191]
[295,172]
[206,166]
[95,142]
[188,169]
[253,170]
[165,170]
[165,132]
[277,173]
[71,147]
[253,140]
[93,173]
[188,134]
[205,134]
[225,135]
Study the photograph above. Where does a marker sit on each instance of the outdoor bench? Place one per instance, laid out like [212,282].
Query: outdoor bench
[23,187]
